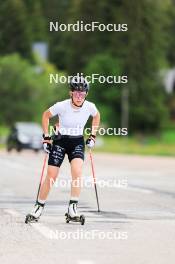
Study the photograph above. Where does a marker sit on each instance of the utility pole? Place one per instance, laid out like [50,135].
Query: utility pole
[125,107]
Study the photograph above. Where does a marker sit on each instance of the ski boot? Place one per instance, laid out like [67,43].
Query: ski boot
[35,213]
[72,215]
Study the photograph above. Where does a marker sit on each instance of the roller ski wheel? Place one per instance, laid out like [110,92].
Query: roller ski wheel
[31,219]
[77,219]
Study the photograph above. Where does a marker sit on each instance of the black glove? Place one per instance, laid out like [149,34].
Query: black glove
[90,142]
[47,144]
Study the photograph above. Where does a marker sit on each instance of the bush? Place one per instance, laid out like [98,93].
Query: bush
[106,96]
[25,92]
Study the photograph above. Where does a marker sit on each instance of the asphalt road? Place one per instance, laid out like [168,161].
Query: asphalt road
[136,223]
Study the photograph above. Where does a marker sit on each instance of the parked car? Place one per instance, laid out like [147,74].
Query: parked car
[25,135]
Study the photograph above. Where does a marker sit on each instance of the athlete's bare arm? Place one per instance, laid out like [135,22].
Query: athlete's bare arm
[95,123]
[45,121]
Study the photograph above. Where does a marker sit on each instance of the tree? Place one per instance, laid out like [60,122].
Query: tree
[170,29]
[57,11]
[36,20]
[143,55]
[24,92]
[15,30]
[141,52]
[107,96]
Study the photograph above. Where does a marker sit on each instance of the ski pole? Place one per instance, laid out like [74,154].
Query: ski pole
[94,178]
[42,174]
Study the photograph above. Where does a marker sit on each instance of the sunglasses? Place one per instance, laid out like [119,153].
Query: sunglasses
[78,94]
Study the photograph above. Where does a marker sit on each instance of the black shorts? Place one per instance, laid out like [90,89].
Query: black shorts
[73,146]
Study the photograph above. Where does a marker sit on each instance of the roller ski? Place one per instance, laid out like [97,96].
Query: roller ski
[35,214]
[72,215]
[79,219]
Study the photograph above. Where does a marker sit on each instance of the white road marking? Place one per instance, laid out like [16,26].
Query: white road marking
[45,231]
[12,212]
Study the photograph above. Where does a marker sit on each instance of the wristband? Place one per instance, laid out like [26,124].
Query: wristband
[46,137]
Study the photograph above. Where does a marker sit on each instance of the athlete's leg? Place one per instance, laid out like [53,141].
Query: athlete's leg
[56,158]
[76,172]
[52,173]
[51,176]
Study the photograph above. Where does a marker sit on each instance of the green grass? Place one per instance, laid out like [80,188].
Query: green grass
[163,145]
[4,131]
